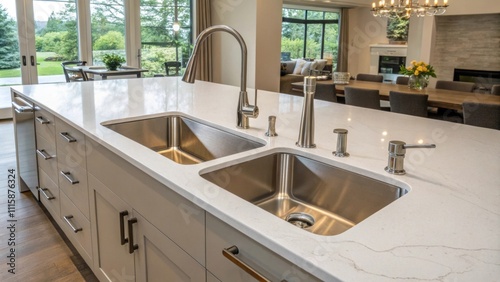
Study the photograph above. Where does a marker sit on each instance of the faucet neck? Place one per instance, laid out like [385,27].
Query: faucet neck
[189,74]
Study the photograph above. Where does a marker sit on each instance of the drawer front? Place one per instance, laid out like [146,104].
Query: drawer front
[46,156]
[179,219]
[49,194]
[264,261]
[73,182]
[76,227]
[45,125]
[70,146]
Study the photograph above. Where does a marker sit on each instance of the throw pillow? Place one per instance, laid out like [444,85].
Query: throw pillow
[290,66]
[298,66]
[306,69]
[283,69]
[320,64]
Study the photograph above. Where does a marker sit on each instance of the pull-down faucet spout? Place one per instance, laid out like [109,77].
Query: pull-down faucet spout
[244,110]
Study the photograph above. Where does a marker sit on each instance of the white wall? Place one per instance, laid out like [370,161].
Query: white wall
[259,23]
[364,30]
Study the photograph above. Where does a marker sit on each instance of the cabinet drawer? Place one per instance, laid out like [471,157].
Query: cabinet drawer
[264,261]
[70,146]
[73,182]
[45,124]
[46,156]
[76,227]
[49,194]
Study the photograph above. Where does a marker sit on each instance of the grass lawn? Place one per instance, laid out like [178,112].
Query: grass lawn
[44,67]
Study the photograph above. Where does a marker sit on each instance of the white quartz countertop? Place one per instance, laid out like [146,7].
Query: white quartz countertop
[447,228]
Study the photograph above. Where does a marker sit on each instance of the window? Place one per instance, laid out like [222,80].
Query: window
[107,19]
[165,33]
[53,31]
[309,34]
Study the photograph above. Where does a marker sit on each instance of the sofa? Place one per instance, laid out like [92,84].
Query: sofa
[295,70]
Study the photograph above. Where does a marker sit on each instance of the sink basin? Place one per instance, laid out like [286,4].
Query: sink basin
[312,195]
[183,140]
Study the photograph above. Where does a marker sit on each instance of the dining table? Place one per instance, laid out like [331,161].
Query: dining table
[440,98]
[104,73]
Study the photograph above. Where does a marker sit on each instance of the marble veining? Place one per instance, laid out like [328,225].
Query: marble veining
[446,228]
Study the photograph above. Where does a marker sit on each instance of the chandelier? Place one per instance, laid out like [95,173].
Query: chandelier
[407,8]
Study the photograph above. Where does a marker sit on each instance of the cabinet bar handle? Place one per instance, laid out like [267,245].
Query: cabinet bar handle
[22,109]
[44,154]
[67,137]
[231,252]
[131,246]
[44,192]
[42,120]
[69,177]
[67,218]
[123,240]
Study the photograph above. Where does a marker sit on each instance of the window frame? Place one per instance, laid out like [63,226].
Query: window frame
[306,22]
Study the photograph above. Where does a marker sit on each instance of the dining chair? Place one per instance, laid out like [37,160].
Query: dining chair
[455,85]
[172,68]
[325,92]
[408,103]
[68,64]
[370,77]
[402,80]
[366,98]
[483,115]
[495,89]
[74,74]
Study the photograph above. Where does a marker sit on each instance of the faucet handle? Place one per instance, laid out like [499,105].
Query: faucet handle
[341,143]
[271,131]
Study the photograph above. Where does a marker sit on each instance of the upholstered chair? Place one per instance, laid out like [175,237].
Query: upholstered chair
[455,85]
[408,103]
[367,98]
[369,77]
[483,115]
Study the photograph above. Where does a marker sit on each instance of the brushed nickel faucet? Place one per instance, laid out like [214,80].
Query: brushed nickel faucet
[397,151]
[306,130]
[244,110]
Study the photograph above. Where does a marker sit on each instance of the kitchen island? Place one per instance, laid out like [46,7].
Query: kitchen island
[446,228]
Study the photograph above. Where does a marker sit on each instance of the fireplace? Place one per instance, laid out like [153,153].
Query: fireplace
[483,79]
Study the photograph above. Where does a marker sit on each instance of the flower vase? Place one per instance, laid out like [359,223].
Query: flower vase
[418,82]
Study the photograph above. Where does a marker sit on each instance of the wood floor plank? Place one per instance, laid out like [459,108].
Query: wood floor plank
[42,252]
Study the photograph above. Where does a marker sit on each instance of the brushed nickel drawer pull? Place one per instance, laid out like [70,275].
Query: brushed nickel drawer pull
[123,240]
[67,137]
[43,154]
[231,252]
[42,120]
[131,246]
[69,177]
[44,193]
[67,218]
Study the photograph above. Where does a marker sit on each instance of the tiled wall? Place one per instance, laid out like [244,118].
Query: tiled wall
[467,42]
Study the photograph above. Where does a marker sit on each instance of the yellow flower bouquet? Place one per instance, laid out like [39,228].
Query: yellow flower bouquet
[417,69]
[419,73]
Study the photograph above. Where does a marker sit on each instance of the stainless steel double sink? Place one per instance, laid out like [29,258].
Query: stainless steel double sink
[313,195]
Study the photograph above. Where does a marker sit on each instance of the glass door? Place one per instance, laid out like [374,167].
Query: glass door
[36,36]
[55,36]
[10,63]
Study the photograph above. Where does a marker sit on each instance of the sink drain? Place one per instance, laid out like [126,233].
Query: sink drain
[300,219]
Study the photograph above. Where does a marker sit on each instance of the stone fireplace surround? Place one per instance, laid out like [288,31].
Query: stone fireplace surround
[469,42]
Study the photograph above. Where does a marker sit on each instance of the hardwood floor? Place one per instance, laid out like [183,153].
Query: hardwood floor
[42,251]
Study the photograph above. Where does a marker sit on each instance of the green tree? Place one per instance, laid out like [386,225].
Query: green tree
[9,47]
[397,28]
[50,42]
[54,24]
[113,40]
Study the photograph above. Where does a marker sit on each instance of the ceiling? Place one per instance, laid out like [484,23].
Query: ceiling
[331,3]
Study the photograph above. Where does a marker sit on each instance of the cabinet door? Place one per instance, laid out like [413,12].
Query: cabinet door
[109,233]
[158,258]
